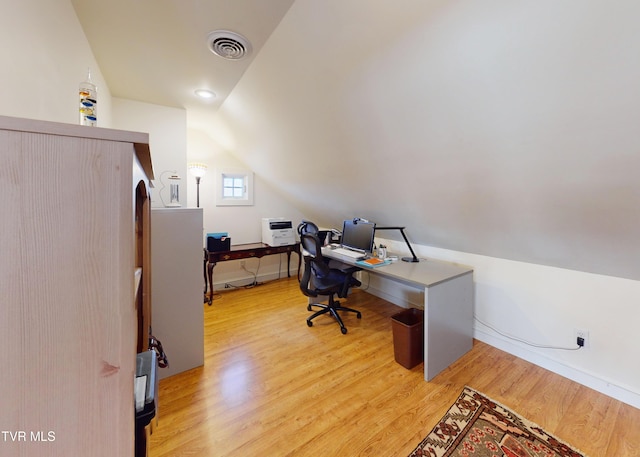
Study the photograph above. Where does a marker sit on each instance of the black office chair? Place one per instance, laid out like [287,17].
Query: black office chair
[310,227]
[319,278]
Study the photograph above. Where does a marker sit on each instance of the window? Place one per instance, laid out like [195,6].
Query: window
[235,188]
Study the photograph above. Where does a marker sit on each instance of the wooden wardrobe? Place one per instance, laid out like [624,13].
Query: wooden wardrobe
[74,286]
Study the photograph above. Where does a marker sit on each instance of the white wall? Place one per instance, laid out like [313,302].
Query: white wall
[242,223]
[45,56]
[167,129]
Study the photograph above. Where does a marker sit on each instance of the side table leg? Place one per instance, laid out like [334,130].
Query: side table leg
[210,273]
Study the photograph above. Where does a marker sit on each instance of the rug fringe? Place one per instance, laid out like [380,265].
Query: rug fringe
[462,401]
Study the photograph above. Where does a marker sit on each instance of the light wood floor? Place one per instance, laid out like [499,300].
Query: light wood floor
[271,386]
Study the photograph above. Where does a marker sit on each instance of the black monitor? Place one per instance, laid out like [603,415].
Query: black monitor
[358,235]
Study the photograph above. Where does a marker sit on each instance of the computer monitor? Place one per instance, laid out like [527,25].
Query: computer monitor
[358,235]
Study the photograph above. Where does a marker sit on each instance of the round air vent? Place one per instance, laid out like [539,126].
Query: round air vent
[228,45]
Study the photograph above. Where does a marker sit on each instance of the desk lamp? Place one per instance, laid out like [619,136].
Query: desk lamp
[413,259]
[198,170]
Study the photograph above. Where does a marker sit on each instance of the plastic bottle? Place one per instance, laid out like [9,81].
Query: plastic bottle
[88,93]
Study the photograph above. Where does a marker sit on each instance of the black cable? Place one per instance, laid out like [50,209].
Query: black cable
[515,338]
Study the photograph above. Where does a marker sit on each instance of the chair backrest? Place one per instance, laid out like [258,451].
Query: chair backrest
[312,250]
[314,264]
[307,227]
[310,227]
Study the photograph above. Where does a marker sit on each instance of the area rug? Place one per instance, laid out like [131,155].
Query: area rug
[476,426]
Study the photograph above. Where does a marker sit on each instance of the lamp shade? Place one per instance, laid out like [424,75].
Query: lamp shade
[197,169]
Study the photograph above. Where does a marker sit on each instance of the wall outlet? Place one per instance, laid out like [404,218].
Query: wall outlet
[584,334]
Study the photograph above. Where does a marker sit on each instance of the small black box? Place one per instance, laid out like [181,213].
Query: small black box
[218,244]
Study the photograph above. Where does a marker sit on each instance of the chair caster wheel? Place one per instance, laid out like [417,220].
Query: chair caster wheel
[359,315]
[343,330]
[309,308]
[309,324]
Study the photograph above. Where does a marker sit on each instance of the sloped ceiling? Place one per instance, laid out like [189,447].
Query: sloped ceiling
[500,128]
[156,51]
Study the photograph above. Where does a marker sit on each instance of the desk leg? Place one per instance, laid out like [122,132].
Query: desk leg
[448,323]
[210,275]
[288,264]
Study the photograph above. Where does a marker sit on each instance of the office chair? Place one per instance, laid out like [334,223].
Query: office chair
[310,227]
[319,278]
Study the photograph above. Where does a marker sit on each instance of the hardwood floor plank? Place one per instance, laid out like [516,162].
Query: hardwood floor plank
[625,439]
[273,386]
[590,421]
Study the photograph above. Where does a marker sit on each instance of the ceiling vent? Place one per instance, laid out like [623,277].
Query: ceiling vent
[229,45]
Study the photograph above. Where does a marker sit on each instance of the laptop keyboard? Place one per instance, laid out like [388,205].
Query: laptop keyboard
[355,255]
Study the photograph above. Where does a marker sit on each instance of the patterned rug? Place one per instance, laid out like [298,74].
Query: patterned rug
[476,426]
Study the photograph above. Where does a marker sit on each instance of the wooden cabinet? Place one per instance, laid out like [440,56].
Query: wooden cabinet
[74,286]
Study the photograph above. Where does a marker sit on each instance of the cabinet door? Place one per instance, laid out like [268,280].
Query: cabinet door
[67,320]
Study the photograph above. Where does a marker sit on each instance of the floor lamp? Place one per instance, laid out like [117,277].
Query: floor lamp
[198,170]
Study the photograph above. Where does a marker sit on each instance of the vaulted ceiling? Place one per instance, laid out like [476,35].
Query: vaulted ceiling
[157,51]
[497,128]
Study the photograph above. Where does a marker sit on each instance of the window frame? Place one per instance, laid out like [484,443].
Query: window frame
[247,197]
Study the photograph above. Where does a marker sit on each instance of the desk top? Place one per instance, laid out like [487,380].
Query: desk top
[248,246]
[238,251]
[426,273]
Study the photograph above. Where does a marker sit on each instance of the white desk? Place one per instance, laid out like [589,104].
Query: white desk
[448,306]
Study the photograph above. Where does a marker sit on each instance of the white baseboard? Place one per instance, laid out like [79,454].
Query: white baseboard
[586,379]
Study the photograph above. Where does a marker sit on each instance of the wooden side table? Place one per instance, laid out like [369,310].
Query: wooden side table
[243,251]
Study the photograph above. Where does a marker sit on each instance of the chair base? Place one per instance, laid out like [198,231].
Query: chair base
[332,308]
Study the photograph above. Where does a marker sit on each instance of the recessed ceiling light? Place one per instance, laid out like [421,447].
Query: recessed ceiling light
[205,93]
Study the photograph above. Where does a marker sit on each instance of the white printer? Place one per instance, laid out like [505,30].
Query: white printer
[277,231]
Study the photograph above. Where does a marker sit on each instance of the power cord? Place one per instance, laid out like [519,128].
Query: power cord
[255,275]
[529,343]
[253,283]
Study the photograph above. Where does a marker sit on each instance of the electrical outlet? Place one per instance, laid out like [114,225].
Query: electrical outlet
[584,334]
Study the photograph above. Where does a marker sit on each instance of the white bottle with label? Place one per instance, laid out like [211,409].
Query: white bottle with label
[88,93]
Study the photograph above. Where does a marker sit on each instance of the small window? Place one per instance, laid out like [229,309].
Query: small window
[235,188]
